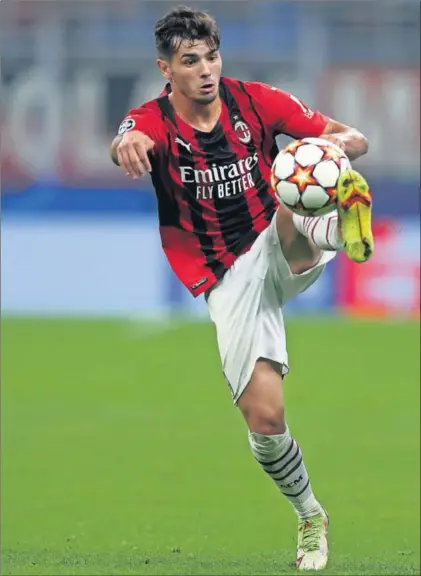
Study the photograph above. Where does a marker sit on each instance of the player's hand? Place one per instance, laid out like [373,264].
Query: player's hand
[339,139]
[132,153]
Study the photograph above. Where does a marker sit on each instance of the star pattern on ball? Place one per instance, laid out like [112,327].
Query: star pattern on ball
[302,178]
[332,194]
[293,146]
[331,153]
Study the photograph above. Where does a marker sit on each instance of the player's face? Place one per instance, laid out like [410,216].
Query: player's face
[195,70]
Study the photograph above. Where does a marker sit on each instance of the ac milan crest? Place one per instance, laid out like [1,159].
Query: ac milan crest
[243,132]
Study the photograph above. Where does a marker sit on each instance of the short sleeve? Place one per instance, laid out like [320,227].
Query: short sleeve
[284,113]
[147,121]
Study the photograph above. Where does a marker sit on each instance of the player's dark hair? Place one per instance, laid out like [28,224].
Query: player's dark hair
[183,23]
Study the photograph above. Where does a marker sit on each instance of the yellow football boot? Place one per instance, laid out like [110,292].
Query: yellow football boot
[354,211]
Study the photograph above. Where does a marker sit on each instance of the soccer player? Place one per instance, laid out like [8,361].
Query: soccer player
[208,144]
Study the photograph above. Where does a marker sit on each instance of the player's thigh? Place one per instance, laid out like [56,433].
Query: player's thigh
[246,311]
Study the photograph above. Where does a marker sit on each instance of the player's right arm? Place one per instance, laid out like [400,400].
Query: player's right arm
[140,136]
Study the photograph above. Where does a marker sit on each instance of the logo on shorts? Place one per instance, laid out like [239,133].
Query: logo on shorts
[242,131]
[127,125]
[200,283]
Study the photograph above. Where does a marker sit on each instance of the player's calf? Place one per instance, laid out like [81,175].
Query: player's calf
[281,459]
[271,442]
[322,231]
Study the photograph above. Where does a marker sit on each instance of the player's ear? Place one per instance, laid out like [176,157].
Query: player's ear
[164,68]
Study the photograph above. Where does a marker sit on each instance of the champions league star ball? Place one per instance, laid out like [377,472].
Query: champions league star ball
[305,175]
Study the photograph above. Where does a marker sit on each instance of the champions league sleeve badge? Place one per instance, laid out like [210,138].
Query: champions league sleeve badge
[127,125]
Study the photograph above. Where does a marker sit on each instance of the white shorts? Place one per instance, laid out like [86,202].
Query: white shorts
[246,308]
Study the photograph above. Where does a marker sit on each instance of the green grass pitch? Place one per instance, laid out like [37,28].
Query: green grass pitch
[122,452]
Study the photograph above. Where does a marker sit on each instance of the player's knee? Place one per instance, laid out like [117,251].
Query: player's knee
[262,403]
[267,420]
[300,253]
[302,266]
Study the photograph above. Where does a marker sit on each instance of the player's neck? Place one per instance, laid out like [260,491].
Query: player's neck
[203,117]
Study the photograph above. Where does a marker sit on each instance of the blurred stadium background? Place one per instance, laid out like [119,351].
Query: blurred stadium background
[121,452]
[79,238]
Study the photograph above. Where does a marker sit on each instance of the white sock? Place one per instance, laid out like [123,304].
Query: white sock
[322,230]
[281,458]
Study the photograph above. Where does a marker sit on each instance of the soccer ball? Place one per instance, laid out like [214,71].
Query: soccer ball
[305,175]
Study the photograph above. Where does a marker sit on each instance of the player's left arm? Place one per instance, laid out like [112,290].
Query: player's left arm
[350,140]
[284,113]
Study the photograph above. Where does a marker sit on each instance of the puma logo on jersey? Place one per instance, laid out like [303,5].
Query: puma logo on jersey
[186,145]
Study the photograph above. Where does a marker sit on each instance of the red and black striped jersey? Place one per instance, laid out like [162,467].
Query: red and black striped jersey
[213,188]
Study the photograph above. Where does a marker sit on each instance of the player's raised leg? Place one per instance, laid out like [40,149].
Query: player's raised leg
[281,458]
[349,228]
[301,245]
